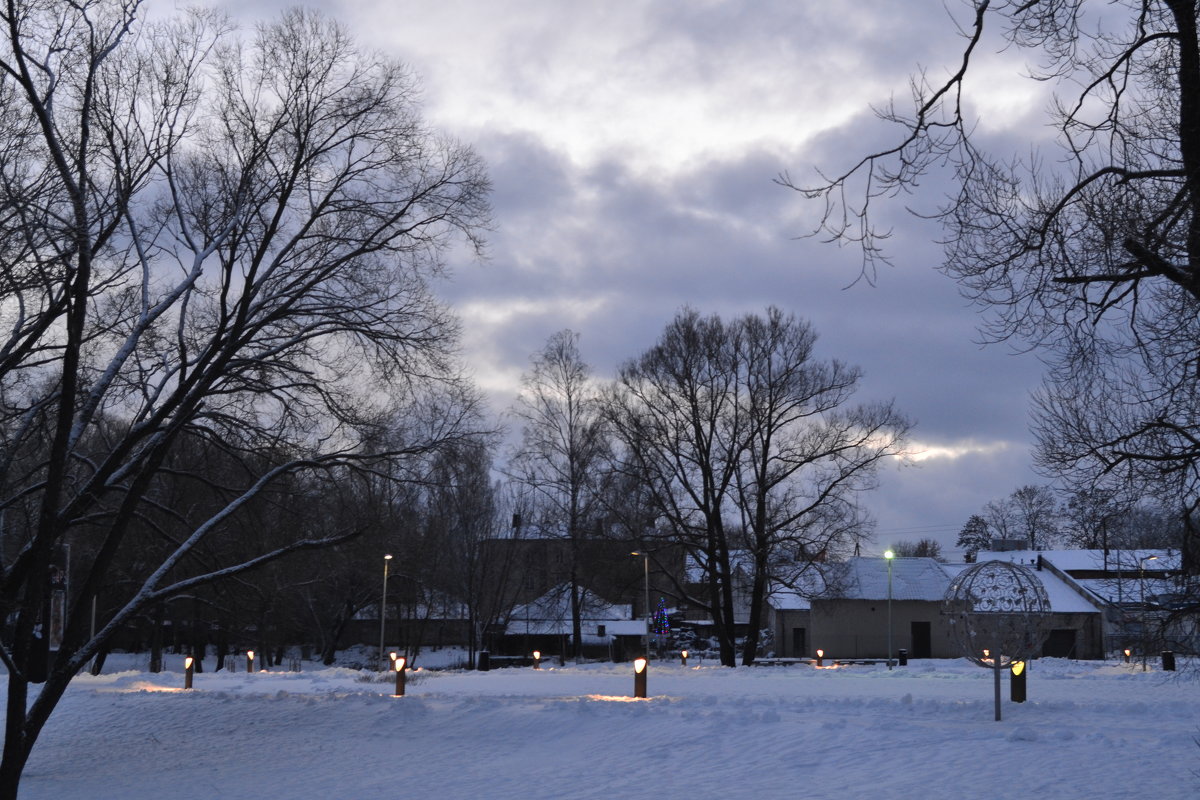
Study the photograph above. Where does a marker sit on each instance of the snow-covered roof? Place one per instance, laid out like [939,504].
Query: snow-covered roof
[1088,560]
[550,614]
[866,578]
[916,579]
[785,599]
[694,572]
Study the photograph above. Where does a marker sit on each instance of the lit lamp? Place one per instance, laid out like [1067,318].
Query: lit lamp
[383,608]
[249,661]
[649,618]
[683,657]
[820,658]
[889,555]
[1128,652]
[639,677]
[392,659]
[398,666]
[1142,582]
[1016,682]
[189,664]
[537,659]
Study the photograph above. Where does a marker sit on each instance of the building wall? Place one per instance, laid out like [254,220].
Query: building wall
[859,629]
[792,629]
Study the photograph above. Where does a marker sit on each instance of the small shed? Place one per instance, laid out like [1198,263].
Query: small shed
[608,630]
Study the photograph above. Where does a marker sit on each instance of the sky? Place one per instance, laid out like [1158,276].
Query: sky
[634,148]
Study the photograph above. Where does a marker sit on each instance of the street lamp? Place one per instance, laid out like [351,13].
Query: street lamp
[646,559]
[889,555]
[383,607]
[1142,584]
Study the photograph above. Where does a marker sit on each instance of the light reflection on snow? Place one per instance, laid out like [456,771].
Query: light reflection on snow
[615,698]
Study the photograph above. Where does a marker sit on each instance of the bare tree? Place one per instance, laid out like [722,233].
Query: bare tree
[201,237]
[459,508]
[1029,513]
[673,409]
[750,452]
[807,453]
[1090,253]
[922,548]
[563,452]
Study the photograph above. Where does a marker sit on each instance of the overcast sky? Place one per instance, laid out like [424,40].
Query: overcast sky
[633,146]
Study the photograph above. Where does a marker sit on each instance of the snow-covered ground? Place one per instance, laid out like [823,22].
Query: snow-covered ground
[1090,729]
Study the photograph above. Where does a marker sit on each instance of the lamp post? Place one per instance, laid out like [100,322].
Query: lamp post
[398,666]
[639,677]
[383,607]
[646,560]
[1142,585]
[889,555]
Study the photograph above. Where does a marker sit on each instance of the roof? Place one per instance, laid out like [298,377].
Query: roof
[917,579]
[911,579]
[1092,560]
[786,599]
[551,614]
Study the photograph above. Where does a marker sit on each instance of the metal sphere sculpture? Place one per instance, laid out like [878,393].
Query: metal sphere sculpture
[996,611]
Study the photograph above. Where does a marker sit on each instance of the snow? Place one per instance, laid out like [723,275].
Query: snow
[926,730]
[911,579]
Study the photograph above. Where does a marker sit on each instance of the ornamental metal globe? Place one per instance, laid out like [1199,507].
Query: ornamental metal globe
[997,610]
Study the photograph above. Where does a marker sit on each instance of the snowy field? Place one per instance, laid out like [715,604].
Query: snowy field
[1090,729]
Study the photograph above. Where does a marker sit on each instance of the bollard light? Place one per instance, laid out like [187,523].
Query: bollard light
[398,666]
[249,661]
[1017,682]
[639,677]
[537,659]
[189,664]
[683,654]
[392,656]
[1127,654]
[820,658]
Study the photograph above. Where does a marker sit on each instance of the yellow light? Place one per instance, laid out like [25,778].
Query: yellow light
[1018,667]
[639,664]
[684,654]
[537,654]
[820,654]
[250,654]
[400,664]
[987,653]
[187,662]
[1128,652]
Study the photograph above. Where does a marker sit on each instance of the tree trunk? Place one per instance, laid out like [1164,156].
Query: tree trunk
[156,639]
[98,661]
[576,620]
[757,594]
[15,753]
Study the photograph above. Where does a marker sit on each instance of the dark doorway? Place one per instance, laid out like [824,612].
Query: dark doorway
[799,645]
[922,640]
[1060,643]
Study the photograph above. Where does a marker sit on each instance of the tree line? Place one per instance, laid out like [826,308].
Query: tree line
[1041,518]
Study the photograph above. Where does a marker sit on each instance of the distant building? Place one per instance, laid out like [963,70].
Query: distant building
[845,612]
[1142,595]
